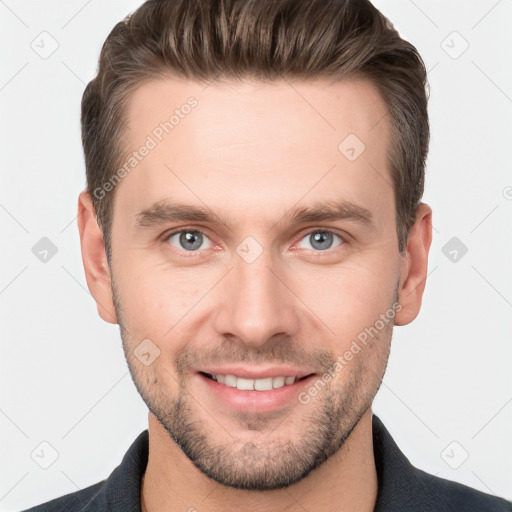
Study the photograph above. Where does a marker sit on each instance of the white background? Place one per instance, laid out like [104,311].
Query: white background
[63,376]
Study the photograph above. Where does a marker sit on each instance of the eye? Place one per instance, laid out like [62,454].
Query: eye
[190,240]
[193,240]
[320,240]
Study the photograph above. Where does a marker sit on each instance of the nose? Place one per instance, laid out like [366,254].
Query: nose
[257,302]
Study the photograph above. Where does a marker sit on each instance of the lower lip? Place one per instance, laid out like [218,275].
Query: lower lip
[256,401]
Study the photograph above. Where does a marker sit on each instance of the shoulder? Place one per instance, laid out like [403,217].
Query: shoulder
[120,492]
[449,495]
[79,501]
[402,486]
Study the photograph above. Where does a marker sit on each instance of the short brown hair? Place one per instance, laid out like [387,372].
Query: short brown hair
[264,39]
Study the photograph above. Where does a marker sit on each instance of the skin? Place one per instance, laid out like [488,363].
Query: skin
[252,152]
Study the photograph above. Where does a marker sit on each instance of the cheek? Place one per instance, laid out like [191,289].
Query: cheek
[156,299]
[349,298]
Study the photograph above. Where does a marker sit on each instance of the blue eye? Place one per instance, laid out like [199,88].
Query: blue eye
[189,240]
[194,241]
[320,240]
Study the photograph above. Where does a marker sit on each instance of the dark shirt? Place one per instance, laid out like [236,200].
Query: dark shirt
[402,487]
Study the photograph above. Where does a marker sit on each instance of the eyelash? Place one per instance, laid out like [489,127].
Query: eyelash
[197,253]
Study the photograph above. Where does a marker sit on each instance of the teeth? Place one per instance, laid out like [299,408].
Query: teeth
[254,384]
[230,380]
[278,382]
[263,384]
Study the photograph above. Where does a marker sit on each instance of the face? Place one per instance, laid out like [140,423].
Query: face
[249,242]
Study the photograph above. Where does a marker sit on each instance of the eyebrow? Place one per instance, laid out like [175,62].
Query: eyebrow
[166,211]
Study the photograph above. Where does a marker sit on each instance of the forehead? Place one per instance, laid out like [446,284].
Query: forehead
[253,143]
[263,109]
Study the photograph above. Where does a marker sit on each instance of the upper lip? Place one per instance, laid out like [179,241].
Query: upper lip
[257,373]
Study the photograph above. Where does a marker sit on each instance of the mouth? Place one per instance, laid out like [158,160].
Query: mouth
[257,396]
[263,384]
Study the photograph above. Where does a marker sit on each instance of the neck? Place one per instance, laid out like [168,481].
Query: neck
[347,481]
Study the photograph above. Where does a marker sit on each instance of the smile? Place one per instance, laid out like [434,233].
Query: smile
[266,384]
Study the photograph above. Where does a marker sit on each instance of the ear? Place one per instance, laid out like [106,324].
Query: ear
[413,267]
[97,272]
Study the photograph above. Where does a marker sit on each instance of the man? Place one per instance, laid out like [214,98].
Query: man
[253,222]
